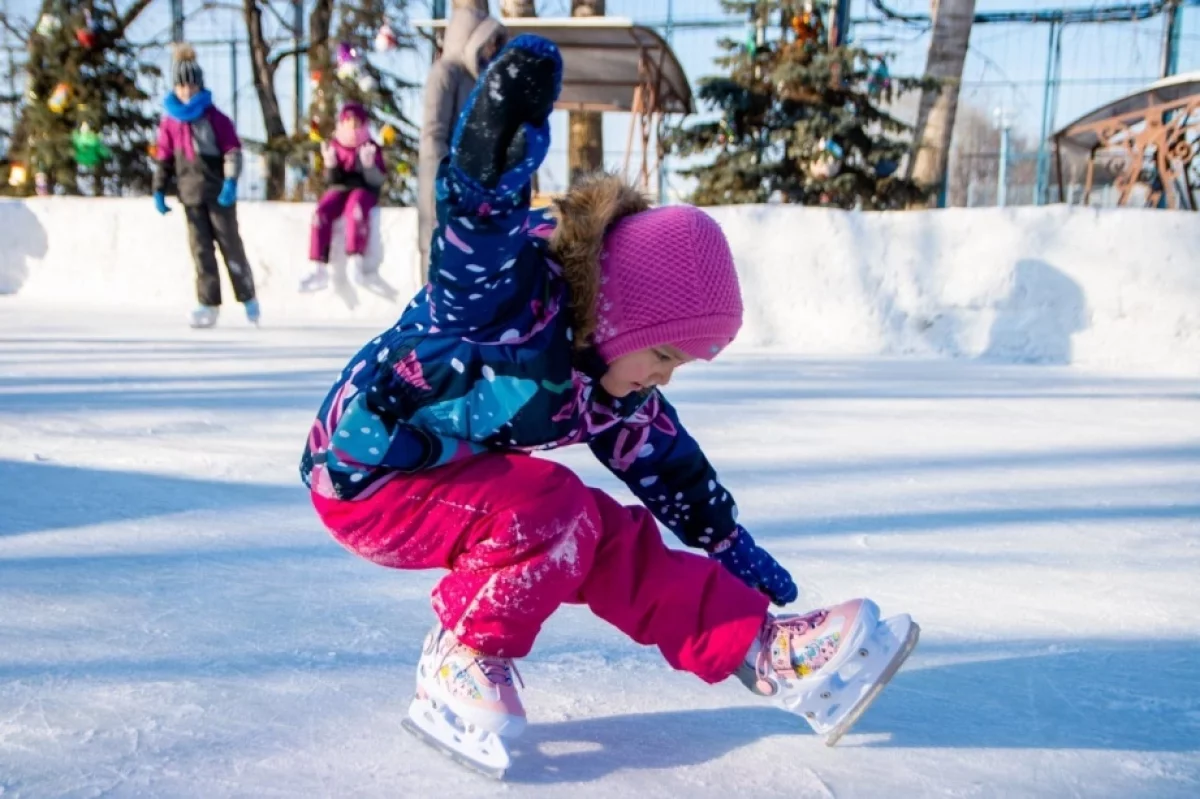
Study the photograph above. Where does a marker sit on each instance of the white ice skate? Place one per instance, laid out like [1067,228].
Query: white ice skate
[316,280]
[203,316]
[829,665]
[466,704]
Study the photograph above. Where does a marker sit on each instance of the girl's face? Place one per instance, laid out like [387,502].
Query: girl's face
[350,133]
[185,93]
[642,370]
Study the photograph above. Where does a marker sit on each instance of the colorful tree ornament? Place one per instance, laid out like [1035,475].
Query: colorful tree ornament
[750,40]
[387,134]
[86,36]
[59,98]
[366,83]
[349,61]
[17,175]
[41,184]
[725,132]
[89,149]
[828,162]
[48,25]
[385,39]
[314,131]
[807,25]
[886,168]
[879,81]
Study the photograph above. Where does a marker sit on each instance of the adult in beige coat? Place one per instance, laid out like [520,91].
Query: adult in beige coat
[472,40]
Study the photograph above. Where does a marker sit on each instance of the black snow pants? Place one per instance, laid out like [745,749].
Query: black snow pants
[208,224]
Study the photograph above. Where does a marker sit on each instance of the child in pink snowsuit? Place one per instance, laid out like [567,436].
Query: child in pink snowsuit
[354,174]
[534,332]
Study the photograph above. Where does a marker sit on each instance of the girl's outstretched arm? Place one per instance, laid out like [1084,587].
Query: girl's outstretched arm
[483,190]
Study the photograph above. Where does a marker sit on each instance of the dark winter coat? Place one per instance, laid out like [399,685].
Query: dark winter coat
[484,359]
[447,88]
[197,150]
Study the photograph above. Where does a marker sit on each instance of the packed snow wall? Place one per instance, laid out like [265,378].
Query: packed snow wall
[1111,288]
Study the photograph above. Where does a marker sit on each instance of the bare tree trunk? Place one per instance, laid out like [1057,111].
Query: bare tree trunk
[320,60]
[935,119]
[263,68]
[585,129]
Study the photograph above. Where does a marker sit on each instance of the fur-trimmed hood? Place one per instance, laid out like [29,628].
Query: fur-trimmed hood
[584,214]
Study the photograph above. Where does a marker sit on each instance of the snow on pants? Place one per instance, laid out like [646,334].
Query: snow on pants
[209,223]
[355,207]
[522,535]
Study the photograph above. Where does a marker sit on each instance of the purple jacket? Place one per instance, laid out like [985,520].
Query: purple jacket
[198,149]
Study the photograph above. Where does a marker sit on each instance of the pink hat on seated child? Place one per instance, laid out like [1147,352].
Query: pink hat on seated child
[667,277]
[355,111]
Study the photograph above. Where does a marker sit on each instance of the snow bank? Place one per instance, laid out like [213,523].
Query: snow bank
[1102,288]
[121,252]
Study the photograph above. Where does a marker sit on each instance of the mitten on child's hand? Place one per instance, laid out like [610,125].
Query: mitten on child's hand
[366,155]
[328,154]
[518,89]
[228,195]
[754,567]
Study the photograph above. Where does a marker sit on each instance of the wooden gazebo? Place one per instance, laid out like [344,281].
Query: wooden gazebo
[1144,144]
[612,64]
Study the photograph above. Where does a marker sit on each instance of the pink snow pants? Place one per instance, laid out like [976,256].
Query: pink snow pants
[522,535]
[355,205]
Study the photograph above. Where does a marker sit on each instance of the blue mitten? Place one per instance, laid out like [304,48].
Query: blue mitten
[228,195]
[160,203]
[754,567]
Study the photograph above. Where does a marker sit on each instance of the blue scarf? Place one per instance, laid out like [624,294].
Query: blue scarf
[190,111]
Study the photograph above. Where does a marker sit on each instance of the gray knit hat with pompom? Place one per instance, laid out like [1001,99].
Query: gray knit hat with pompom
[186,71]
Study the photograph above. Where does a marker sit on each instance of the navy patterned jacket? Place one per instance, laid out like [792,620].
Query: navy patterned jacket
[482,360]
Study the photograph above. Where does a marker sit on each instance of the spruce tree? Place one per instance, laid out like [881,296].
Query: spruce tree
[801,121]
[85,124]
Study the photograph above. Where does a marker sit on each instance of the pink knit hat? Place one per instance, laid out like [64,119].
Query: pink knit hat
[667,277]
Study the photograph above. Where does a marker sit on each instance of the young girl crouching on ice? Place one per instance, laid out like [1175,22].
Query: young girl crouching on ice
[537,332]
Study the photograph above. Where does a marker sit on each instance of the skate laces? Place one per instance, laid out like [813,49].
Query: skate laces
[498,670]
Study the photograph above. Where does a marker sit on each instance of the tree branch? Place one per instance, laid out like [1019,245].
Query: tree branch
[129,16]
[22,33]
[270,7]
[287,26]
[276,58]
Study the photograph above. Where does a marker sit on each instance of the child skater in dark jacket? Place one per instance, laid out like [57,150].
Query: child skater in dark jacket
[199,151]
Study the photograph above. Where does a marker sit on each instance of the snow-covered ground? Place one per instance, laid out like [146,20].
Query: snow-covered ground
[175,623]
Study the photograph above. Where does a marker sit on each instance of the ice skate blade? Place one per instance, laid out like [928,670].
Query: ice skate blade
[432,727]
[843,727]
